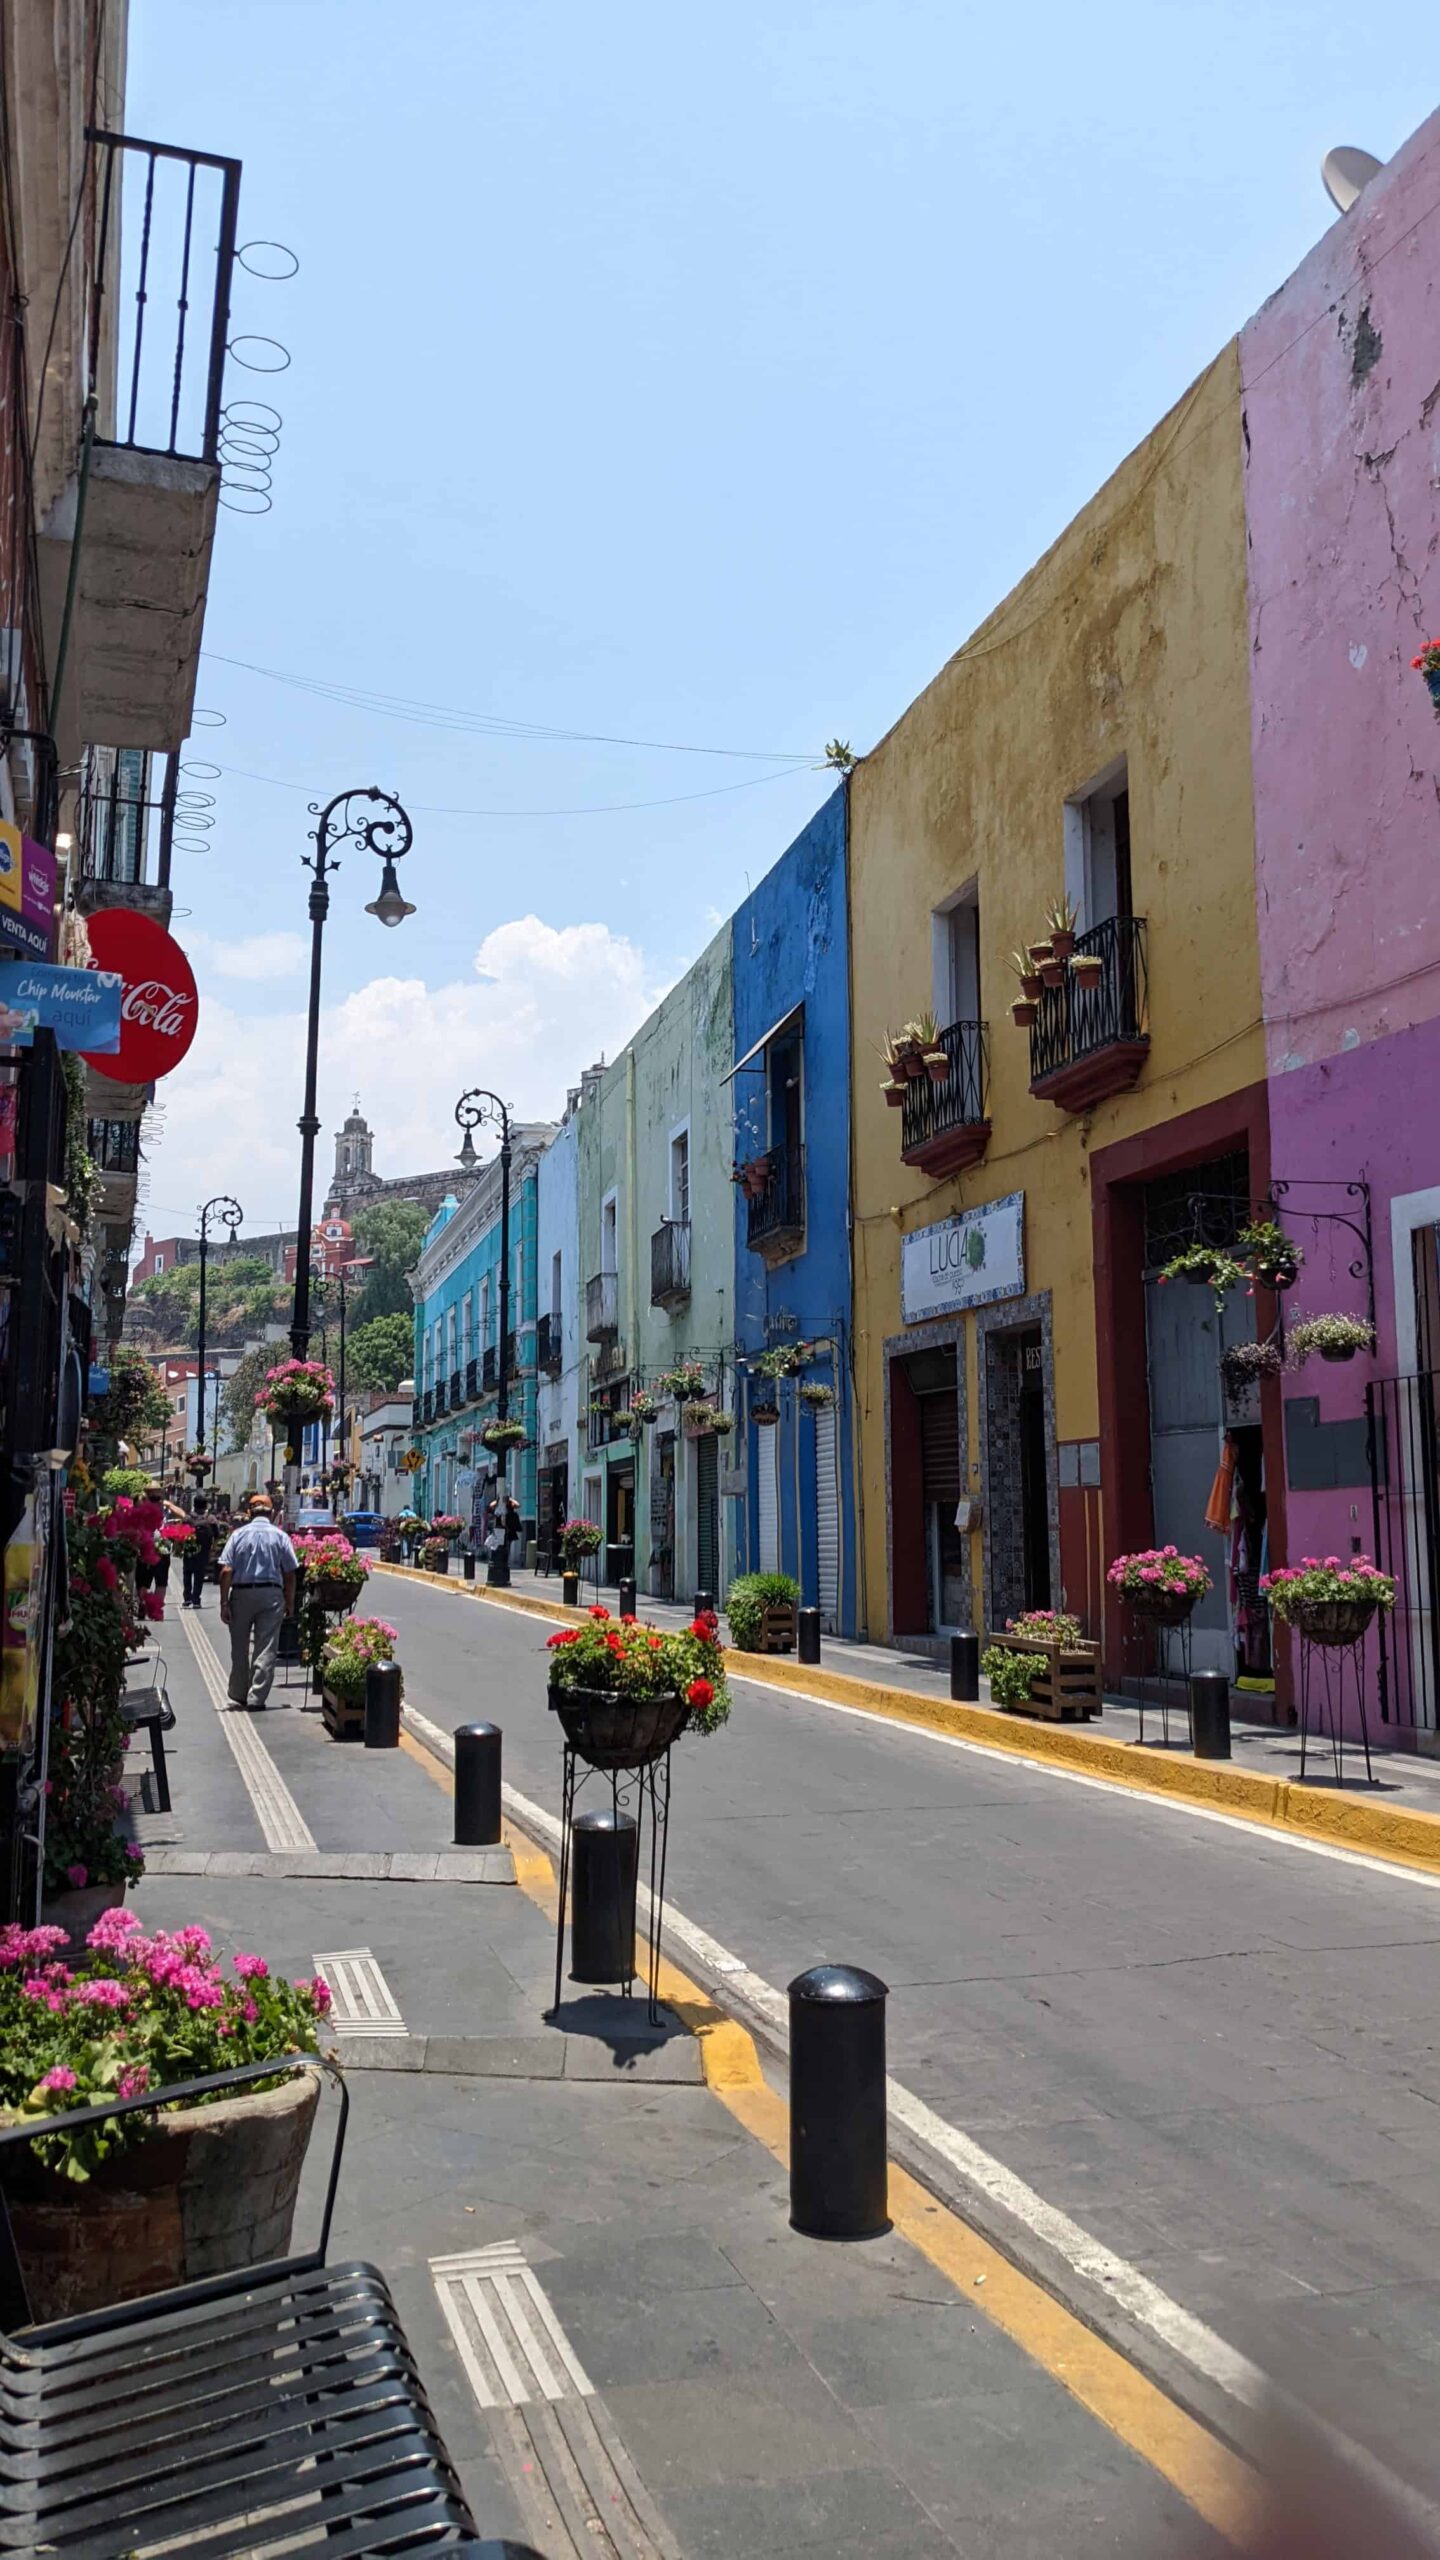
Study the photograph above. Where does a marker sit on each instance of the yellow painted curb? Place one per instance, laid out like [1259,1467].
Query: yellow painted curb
[1215,2482]
[1400,1834]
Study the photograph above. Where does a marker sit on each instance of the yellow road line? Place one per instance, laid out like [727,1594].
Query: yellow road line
[1211,2479]
[1401,1835]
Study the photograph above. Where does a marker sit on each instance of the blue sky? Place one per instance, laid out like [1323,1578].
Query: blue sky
[690,375]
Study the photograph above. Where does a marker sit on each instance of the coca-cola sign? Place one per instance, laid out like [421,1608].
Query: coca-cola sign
[159,1009]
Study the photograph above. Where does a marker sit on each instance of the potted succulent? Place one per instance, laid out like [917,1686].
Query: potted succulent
[1052,969]
[1061,921]
[1269,1254]
[1334,1337]
[1159,1583]
[1087,968]
[1028,975]
[624,1692]
[124,2208]
[1208,1266]
[682,1383]
[893,1088]
[1023,1012]
[578,1539]
[934,1056]
[1328,1602]
[1428,665]
[761,1610]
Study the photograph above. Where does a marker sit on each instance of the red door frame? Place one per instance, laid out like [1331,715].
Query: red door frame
[1117,1174]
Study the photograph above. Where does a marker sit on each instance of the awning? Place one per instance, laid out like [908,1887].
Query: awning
[795,1014]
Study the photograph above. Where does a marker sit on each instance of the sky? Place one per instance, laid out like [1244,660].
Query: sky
[692,377]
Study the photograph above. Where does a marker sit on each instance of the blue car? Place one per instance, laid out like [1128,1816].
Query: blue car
[363,1528]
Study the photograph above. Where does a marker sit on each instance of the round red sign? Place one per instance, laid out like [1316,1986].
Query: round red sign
[160,1007]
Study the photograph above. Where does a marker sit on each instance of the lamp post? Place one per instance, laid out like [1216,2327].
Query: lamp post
[226,1213]
[475,1110]
[374,820]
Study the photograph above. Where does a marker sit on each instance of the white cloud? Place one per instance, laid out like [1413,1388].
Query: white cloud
[541,1003]
[254,957]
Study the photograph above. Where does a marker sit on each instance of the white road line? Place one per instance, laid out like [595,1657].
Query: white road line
[1198,2345]
[279,1816]
[362,2002]
[505,2329]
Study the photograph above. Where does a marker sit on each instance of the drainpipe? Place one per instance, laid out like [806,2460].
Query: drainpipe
[72,581]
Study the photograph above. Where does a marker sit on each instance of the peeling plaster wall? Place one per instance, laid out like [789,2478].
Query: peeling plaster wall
[1341,384]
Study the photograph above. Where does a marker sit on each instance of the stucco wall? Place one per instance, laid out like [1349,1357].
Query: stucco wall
[557,1231]
[1128,639]
[791,939]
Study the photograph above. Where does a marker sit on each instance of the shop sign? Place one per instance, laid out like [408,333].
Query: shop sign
[160,1007]
[80,1006]
[968,1261]
[27,892]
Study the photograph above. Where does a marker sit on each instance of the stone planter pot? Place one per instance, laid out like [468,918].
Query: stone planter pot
[210,2189]
[76,1912]
[1334,1622]
[611,1732]
[1162,1608]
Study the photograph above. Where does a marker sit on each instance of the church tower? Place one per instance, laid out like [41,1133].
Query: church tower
[354,1156]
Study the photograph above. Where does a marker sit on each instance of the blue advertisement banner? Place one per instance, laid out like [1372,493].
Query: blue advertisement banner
[81,1006]
[20,933]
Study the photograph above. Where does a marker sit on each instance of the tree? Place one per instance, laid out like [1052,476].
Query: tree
[380,1353]
[390,1233]
[237,1401]
[242,1292]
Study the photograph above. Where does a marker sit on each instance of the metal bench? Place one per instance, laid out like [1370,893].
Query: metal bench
[148,1710]
[275,2408]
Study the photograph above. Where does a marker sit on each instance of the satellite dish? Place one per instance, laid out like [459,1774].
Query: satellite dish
[1347,173]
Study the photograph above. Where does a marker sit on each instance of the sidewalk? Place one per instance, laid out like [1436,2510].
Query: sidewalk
[713,2387]
[1401,1779]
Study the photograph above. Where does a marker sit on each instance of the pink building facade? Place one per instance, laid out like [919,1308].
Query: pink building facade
[1341,388]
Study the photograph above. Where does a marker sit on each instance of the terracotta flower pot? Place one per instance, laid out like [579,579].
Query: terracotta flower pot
[1023,1012]
[1087,971]
[1040,952]
[1030,986]
[894,1091]
[210,2189]
[1062,944]
[911,1065]
[937,1065]
[1052,973]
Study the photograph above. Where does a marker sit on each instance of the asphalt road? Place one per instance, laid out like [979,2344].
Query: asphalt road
[1215,2050]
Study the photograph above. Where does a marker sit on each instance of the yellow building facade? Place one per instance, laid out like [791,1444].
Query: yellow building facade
[1017,1383]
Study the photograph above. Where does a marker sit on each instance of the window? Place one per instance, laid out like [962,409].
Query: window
[556,1298]
[450,1339]
[485,1313]
[1097,848]
[783,1094]
[608,1236]
[465,1331]
[680,1177]
[955,947]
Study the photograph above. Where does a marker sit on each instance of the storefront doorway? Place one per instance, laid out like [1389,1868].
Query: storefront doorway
[707,1514]
[620,1520]
[662,1517]
[1018,1486]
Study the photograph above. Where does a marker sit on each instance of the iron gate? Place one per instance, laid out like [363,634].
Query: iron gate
[1403,1430]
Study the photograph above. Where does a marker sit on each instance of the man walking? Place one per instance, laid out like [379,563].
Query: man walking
[195,1559]
[258,1569]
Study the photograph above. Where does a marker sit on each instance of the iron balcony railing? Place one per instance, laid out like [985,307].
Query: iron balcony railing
[427,1402]
[457,1381]
[417,1409]
[490,1367]
[602,1306]
[114,1145]
[670,1263]
[472,1380]
[1075,1018]
[933,1110]
[550,1345]
[777,1205]
[162,289]
[441,1397]
[134,813]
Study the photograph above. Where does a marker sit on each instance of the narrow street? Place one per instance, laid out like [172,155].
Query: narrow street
[1214,2051]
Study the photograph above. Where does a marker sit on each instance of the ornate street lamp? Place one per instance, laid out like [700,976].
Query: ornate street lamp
[480,1109]
[374,820]
[227,1213]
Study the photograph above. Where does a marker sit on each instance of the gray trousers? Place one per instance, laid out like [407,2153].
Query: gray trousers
[256,1610]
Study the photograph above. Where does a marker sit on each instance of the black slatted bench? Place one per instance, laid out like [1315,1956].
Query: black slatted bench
[276,2408]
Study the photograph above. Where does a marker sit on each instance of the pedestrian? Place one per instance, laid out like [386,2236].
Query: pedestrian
[512,1525]
[258,1570]
[156,1576]
[195,1559]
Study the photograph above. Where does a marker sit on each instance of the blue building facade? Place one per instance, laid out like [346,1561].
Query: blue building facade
[456,1286]
[790,1091]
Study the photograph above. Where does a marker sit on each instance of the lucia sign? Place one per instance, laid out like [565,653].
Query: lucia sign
[159,1009]
[968,1261]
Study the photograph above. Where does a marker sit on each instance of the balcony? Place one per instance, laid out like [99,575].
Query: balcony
[550,1345]
[417,1410]
[775,1203]
[441,1399]
[114,1145]
[161,314]
[457,1381]
[472,1380]
[427,1405]
[670,1263]
[489,1370]
[602,1306]
[1089,1041]
[944,1127]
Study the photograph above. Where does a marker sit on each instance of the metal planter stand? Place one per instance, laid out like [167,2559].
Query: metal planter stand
[637,1786]
[1327,1690]
[1161,1673]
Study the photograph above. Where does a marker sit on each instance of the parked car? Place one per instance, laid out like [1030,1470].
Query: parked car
[363,1528]
[317,1515]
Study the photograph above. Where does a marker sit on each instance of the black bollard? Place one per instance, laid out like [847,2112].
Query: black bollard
[467,1566]
[1210,1715]
[605,1848]
[965,1667]
[477,1786]
[384,1689]
[807,1635]
[570,1590]
[626,1607]
[704,1604]
[497,1569]
[838,2177]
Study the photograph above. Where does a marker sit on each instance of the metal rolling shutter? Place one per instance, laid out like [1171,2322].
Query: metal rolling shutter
[940,1449]
[827,1515]
[707,1514]
[767,1470]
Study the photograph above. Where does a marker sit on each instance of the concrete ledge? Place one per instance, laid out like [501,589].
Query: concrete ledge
[1401,1834]
[673,2060]
[321,1866]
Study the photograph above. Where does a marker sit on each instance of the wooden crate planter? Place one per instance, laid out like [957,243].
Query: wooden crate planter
[777,1628]
[343,1723]
[1068,1688]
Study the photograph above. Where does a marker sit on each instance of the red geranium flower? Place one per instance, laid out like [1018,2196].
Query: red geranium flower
[699,1694]
[567,1635]
[599,1612]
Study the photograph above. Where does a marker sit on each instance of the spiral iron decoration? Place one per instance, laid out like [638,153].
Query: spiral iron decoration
[386,833]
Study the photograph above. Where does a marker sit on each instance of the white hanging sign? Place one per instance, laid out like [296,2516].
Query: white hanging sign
[968,1261]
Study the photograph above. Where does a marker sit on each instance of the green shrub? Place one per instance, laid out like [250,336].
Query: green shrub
[124,1483]
[1011,1675]
[750,1597]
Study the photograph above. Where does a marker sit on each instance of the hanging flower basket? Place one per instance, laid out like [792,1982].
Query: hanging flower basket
[1334,1622]
[706,1422]
[499,1436]
[1242,1361]
[682,1384]
[1272,1257]
[765,1410]
[624,1692]
[1327,1601]
[1160,1584]
[297,1391]
[815,1392]
[199,1462]
[611,1732]
[1023,1012]
[1334,1337]
[641,1409]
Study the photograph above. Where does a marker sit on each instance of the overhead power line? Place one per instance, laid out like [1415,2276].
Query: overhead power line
[597,809]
